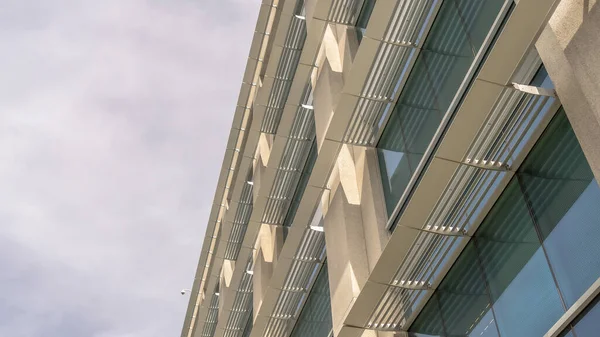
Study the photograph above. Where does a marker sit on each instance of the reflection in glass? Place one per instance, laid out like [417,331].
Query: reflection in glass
[315,319]
[478,16]
[447,55]
[464,300]
[396,172]
[429,322]
[586,324]
[564,198]
[537,247]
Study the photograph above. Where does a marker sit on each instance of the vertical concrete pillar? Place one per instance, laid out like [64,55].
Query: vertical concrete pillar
[259,172]
[346,254]
[329,85]
[569,46]
[225,292]
[372,203]
[262,274]
[355,231]
[270,243]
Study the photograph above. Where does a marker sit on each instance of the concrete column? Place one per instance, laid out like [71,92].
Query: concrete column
[346,254]
[259,172]
[263,271]
[329,85]
[569,46]
[355,231]
[270,243]
[372,203]
[224,280]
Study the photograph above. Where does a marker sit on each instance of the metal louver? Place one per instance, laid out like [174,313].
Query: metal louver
[454,218]
[302,273]
[240,221]
[391,66]
[295,154]
[242,306]
[213,315]
[284,75]
[345,11]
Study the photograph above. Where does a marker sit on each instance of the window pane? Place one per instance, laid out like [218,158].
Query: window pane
[418,126]
[407,134]
[464,300]
[526,300]
[396,173]
[448,54]
[429,322]
[564,197]
[567,334]
[315,319]
[432,85]
[587,324]
[478,16]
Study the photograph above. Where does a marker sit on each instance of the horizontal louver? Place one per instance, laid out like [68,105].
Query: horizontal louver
[284,75]
[294,157]
[302,274]
[242,306]
[240,221]
[392,65]
[345,11]
[452,219]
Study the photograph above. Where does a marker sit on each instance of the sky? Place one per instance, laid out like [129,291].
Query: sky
[114,116]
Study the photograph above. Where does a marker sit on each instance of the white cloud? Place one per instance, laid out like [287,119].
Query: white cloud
[113,120]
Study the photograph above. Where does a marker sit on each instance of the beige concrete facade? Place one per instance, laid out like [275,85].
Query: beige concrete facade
[261,258]
[569,46]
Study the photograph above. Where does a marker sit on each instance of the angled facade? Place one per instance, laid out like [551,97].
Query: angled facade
[409,168]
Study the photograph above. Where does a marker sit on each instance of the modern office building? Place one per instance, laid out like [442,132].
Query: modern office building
[409,168]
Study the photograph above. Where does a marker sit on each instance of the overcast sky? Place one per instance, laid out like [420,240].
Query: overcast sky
[113,121]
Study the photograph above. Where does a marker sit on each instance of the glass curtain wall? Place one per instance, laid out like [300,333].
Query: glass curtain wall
[454,40]
[533,256]
[315,319]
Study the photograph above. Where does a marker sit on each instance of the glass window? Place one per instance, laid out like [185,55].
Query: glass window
[564,198]
[396,172]
[526,301]
[363,18]
[315,319]
[533,256]
[586,324]
[501,278]
[478,16]
[447,55]
[461,305]
[429,323]
[407,135]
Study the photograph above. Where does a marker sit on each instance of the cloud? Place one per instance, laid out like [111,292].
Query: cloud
[113,121]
